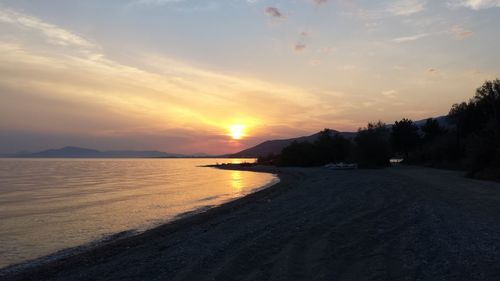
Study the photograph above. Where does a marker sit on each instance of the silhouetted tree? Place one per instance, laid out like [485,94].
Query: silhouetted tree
[472,141]
[372,145]
[327,148]
[342,149]
[477,130]
[465,117]
[332,147]
[487,99]
[269,159]
[302,154]
[404,136]
[480,112]
[432,130]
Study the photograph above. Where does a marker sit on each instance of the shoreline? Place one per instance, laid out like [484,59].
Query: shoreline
[124,239]
[402,223]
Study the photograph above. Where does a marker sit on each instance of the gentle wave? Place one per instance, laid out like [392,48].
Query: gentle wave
[49,205]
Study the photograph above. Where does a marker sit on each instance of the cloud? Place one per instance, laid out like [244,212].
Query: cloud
[274,12]
[326,50]
[54,34]
[390,93]
[299,47]
[79,91]
[319,2]
[399,8]
[372,25]
[72,95]
[166,2]
[155,2]
[301,44]
[314,62]
[476,4]
[460,33]
[407,7]
[433,72]
[178,5]
[410,38]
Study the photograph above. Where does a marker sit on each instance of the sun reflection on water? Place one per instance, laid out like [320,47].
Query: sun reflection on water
[241,161]
[236,181]
[64,203]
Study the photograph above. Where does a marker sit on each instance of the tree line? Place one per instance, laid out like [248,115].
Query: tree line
[470,141]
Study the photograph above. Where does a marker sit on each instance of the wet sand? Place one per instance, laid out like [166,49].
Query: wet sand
[402,223]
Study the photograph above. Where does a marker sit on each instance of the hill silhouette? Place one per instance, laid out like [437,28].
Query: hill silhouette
[80,152]
[276,146]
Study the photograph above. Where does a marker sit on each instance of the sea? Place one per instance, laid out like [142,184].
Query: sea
[54,207]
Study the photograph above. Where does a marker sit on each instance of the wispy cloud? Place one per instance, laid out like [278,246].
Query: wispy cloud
[178,5]
[434,73]
[299,47]
[55,35]
[399,8]
[38,78]
[301,42]
[390,93]
[407,7]
[460,32]
[410,38]
[156,2]
[274,12]
[166,2]
[475,4]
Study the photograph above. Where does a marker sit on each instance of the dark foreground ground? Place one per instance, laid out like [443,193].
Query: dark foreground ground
[394,224]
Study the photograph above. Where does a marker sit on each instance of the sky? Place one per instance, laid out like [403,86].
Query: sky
[179,75]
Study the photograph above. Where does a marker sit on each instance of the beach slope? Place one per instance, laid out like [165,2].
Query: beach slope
[403,223]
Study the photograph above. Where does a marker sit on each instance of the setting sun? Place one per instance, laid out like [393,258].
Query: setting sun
[237,131]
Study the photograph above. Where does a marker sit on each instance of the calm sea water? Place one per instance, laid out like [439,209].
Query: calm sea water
[47,205]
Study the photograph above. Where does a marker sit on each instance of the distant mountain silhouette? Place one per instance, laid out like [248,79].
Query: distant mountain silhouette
[442,120]
[262,149]
[79,152]
[275,146]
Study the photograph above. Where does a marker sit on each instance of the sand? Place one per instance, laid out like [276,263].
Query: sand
[402,223]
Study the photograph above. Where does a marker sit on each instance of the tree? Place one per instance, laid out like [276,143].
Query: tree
[342,149]
[480,112]
[404,136]
[332,147]
[478,130]
[302,154]
[488,99]
[432,130]
[329,147]
[269,159]
[325,146]
[372,145]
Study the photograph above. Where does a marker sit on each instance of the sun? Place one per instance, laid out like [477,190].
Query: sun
[237,131]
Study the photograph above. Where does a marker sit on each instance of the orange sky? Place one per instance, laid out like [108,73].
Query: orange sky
[176,75]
